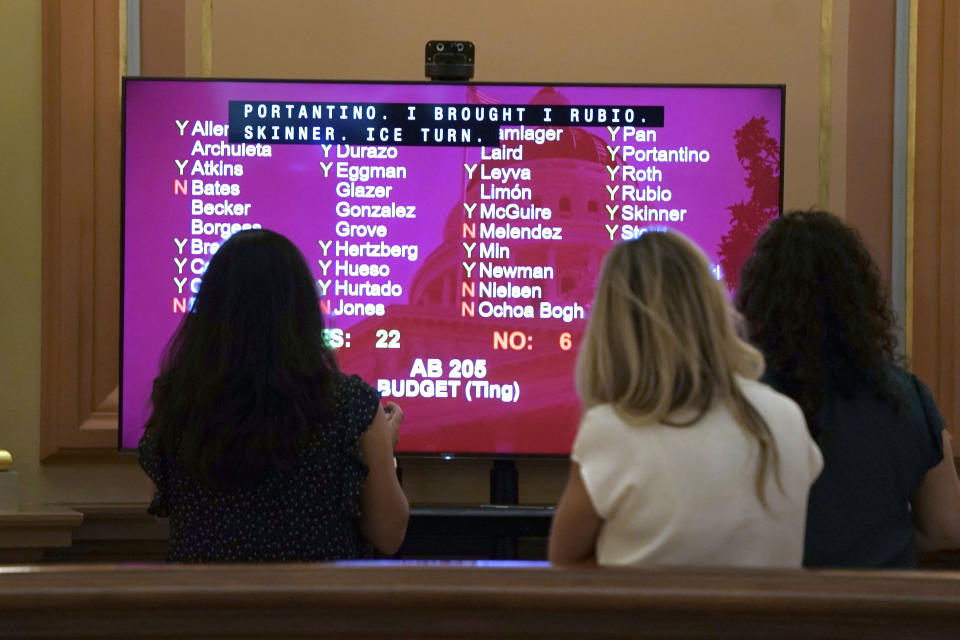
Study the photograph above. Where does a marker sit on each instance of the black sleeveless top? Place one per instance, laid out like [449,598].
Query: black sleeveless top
[308,512]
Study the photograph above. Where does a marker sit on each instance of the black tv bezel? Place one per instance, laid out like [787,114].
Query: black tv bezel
[431,455]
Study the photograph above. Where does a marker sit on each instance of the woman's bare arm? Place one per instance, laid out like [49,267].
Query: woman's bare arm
[383,505]
[936,505]
[576,525]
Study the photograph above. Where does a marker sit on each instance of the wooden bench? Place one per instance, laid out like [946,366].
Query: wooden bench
[470,600]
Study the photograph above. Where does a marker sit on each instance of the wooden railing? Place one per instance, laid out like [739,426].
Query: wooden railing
[447,600]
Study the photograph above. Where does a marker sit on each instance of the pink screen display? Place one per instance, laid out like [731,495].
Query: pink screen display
[455,231]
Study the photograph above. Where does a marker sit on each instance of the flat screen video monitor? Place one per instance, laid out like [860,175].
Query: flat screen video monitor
[455,231]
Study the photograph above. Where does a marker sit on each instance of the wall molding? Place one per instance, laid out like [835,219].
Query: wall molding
[933,232]
[81,229]
[826,103]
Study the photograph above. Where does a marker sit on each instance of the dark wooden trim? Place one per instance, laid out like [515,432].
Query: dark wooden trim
[412,601]
[26,534]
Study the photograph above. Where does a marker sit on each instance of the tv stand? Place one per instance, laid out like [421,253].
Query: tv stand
[477,532]
[504,490]
[504,482]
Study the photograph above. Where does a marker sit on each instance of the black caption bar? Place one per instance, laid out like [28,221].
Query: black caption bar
[448,125]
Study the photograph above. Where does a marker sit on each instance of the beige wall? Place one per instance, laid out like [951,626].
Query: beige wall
[757,41]
[629,41]
[20,233]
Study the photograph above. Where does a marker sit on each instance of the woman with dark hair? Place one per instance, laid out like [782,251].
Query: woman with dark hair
[813,302]
[259,448]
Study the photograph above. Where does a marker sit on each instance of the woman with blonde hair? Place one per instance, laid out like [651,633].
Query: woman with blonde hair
[682,457]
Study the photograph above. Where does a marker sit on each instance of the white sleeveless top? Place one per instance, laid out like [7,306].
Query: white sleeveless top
[687,495]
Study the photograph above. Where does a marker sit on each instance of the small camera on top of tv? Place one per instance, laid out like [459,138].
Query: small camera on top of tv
[449,60]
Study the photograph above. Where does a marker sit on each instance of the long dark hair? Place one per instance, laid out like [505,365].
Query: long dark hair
[814,303]
[247,373]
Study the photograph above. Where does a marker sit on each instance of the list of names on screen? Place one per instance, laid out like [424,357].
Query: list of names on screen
[455,232]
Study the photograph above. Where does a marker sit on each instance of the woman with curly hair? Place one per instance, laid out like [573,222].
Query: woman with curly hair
[813,302]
